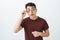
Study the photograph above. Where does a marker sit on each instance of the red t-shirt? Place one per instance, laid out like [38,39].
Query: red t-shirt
[34,25]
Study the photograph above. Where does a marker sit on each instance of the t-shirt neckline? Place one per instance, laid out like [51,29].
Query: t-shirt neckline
[35,19]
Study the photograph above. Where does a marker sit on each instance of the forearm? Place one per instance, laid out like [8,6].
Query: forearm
[17,29]
[43,34]
[18,25]
[19,22]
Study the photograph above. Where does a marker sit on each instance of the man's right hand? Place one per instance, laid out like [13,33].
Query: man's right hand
[24,13]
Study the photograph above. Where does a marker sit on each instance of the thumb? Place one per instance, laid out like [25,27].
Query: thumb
[32,32]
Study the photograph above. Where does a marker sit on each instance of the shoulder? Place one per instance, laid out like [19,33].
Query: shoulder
[42,19]
[25,19]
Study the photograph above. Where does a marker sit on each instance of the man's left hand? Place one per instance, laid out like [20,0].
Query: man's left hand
[36,33]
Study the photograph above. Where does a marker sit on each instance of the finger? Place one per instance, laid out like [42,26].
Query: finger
[23,12]
[32,32]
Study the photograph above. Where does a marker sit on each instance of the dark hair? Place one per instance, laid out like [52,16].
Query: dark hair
[30,4]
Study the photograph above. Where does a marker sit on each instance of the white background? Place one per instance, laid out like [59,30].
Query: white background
[10,12]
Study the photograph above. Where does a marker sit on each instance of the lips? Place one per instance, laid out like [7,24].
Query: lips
[32,14]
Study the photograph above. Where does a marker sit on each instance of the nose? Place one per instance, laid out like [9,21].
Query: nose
[31,11]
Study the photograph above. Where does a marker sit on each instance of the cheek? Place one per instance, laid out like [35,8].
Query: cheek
[32,13]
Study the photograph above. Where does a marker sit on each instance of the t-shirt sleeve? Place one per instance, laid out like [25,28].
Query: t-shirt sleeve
[23,23]
[45,26]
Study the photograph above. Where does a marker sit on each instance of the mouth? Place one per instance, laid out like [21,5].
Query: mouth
[32,14]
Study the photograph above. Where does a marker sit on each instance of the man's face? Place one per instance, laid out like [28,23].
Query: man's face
[31,10]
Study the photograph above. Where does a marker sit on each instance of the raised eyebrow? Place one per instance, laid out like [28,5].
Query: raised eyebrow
[33,7]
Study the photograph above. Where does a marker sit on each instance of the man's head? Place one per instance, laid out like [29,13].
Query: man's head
[31,9]
[30,4]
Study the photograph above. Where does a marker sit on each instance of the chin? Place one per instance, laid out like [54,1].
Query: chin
[32,16]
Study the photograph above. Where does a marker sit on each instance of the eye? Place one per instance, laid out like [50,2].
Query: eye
[28,10]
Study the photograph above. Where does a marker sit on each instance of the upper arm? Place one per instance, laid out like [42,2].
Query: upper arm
[45,25]
[47,32]
[22,23]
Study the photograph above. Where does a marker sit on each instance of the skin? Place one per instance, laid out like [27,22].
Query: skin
[31,11]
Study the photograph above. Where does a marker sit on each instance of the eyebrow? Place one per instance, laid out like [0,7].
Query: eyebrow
[31,8]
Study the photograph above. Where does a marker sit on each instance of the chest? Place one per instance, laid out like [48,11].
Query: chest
[34,26]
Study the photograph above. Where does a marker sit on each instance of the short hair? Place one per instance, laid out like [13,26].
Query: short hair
[30,4]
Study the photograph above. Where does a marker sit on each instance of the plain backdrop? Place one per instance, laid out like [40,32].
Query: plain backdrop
[10,11]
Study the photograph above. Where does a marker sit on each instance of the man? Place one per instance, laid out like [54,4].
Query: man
[34,26]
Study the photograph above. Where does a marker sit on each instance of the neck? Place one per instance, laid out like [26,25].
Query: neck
[34,18]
